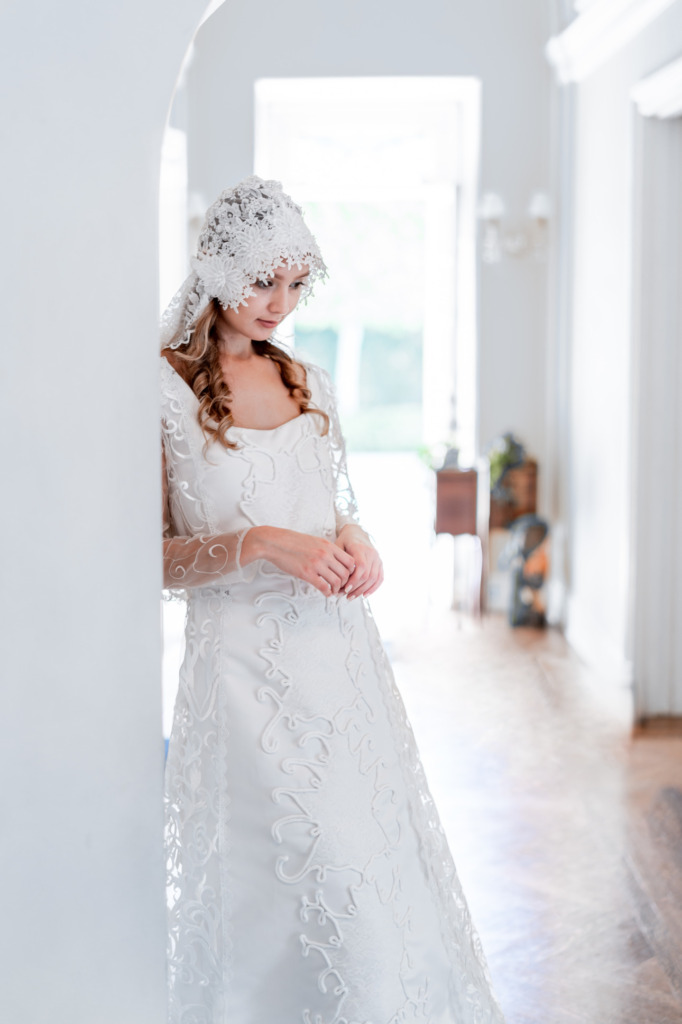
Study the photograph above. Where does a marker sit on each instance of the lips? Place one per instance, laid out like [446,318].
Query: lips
[268,323]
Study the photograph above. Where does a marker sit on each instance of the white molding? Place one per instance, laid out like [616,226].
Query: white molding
[660,95]
[599,32]
[656,488]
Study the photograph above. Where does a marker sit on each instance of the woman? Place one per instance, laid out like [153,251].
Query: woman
[309,878]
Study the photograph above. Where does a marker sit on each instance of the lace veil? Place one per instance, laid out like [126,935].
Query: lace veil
[249,231]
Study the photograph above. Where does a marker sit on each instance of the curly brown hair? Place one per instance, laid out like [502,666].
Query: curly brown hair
[198,362]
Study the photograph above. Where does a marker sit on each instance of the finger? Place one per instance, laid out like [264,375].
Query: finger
[361,588]
[365,573]
[346,560]
[336,576]
[343,572]
[372,583]
[356,580]
[374,588]
[361,572]
[333,585]
[380,580]
[330,569]
[361,592]
[322,585]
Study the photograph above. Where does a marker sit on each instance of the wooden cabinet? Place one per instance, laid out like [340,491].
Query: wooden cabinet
[464,505]
[456,493]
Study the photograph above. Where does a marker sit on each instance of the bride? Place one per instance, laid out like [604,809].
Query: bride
[309,880]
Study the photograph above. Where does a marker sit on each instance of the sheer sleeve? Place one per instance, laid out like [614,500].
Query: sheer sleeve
[199,561]
[344,498]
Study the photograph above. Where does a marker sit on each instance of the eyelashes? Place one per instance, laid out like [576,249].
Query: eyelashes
[268,284]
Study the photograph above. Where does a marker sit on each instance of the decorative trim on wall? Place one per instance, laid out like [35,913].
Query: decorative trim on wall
[602,29]
[660,95]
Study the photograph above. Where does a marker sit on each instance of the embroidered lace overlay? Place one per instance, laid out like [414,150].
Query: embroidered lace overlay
[309,880]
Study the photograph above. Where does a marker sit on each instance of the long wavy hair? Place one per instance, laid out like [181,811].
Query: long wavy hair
[199,366]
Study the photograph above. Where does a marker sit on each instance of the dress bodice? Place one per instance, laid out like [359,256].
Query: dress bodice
[283,476]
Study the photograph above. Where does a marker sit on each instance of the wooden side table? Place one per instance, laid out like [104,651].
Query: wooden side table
[463,507]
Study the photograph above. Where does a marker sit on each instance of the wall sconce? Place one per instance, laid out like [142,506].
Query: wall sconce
[530,239]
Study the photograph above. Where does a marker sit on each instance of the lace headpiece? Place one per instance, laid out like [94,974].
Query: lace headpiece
[249,231]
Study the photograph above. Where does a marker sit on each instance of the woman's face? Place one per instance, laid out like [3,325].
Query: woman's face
[275,298]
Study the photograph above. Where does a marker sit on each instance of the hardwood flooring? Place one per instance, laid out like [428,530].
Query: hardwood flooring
[565,826]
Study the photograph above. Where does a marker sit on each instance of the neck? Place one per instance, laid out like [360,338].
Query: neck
[232,345]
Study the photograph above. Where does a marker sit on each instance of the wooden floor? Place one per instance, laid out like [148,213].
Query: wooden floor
[566,829]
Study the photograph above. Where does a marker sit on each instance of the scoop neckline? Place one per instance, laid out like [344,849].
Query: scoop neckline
[234,426]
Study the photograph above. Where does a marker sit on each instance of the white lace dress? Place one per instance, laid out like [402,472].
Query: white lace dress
[309,880]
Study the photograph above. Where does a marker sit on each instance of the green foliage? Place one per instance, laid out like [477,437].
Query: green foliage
[504,452]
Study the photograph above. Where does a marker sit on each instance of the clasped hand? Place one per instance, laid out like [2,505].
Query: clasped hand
[350,565]
[367,574]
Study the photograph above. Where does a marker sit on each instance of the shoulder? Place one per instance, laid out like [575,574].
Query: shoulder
[173,371]
[169,357]
[319,383]
[176,394]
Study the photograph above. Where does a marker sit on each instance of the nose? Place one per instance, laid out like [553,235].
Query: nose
[282,299]
[278,300]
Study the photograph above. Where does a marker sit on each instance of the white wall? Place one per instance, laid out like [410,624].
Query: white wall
[502,43]
[86,90]
[600,412]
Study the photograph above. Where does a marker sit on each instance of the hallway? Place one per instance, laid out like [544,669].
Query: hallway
[566,834]
[566,831]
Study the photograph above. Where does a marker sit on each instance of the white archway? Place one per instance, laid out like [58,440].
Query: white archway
[80,750]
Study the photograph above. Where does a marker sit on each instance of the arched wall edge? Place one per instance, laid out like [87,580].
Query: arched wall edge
[80,733]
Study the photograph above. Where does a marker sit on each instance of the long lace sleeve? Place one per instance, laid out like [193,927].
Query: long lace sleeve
[198,561]
[344,500]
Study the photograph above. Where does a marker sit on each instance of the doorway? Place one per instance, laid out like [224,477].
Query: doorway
[386,170]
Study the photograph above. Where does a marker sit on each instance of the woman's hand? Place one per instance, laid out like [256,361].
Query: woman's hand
[368,573]
[315,560]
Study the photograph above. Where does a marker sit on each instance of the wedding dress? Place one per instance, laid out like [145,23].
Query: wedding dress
[309,879]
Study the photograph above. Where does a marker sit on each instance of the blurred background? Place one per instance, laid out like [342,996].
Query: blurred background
[496,190]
